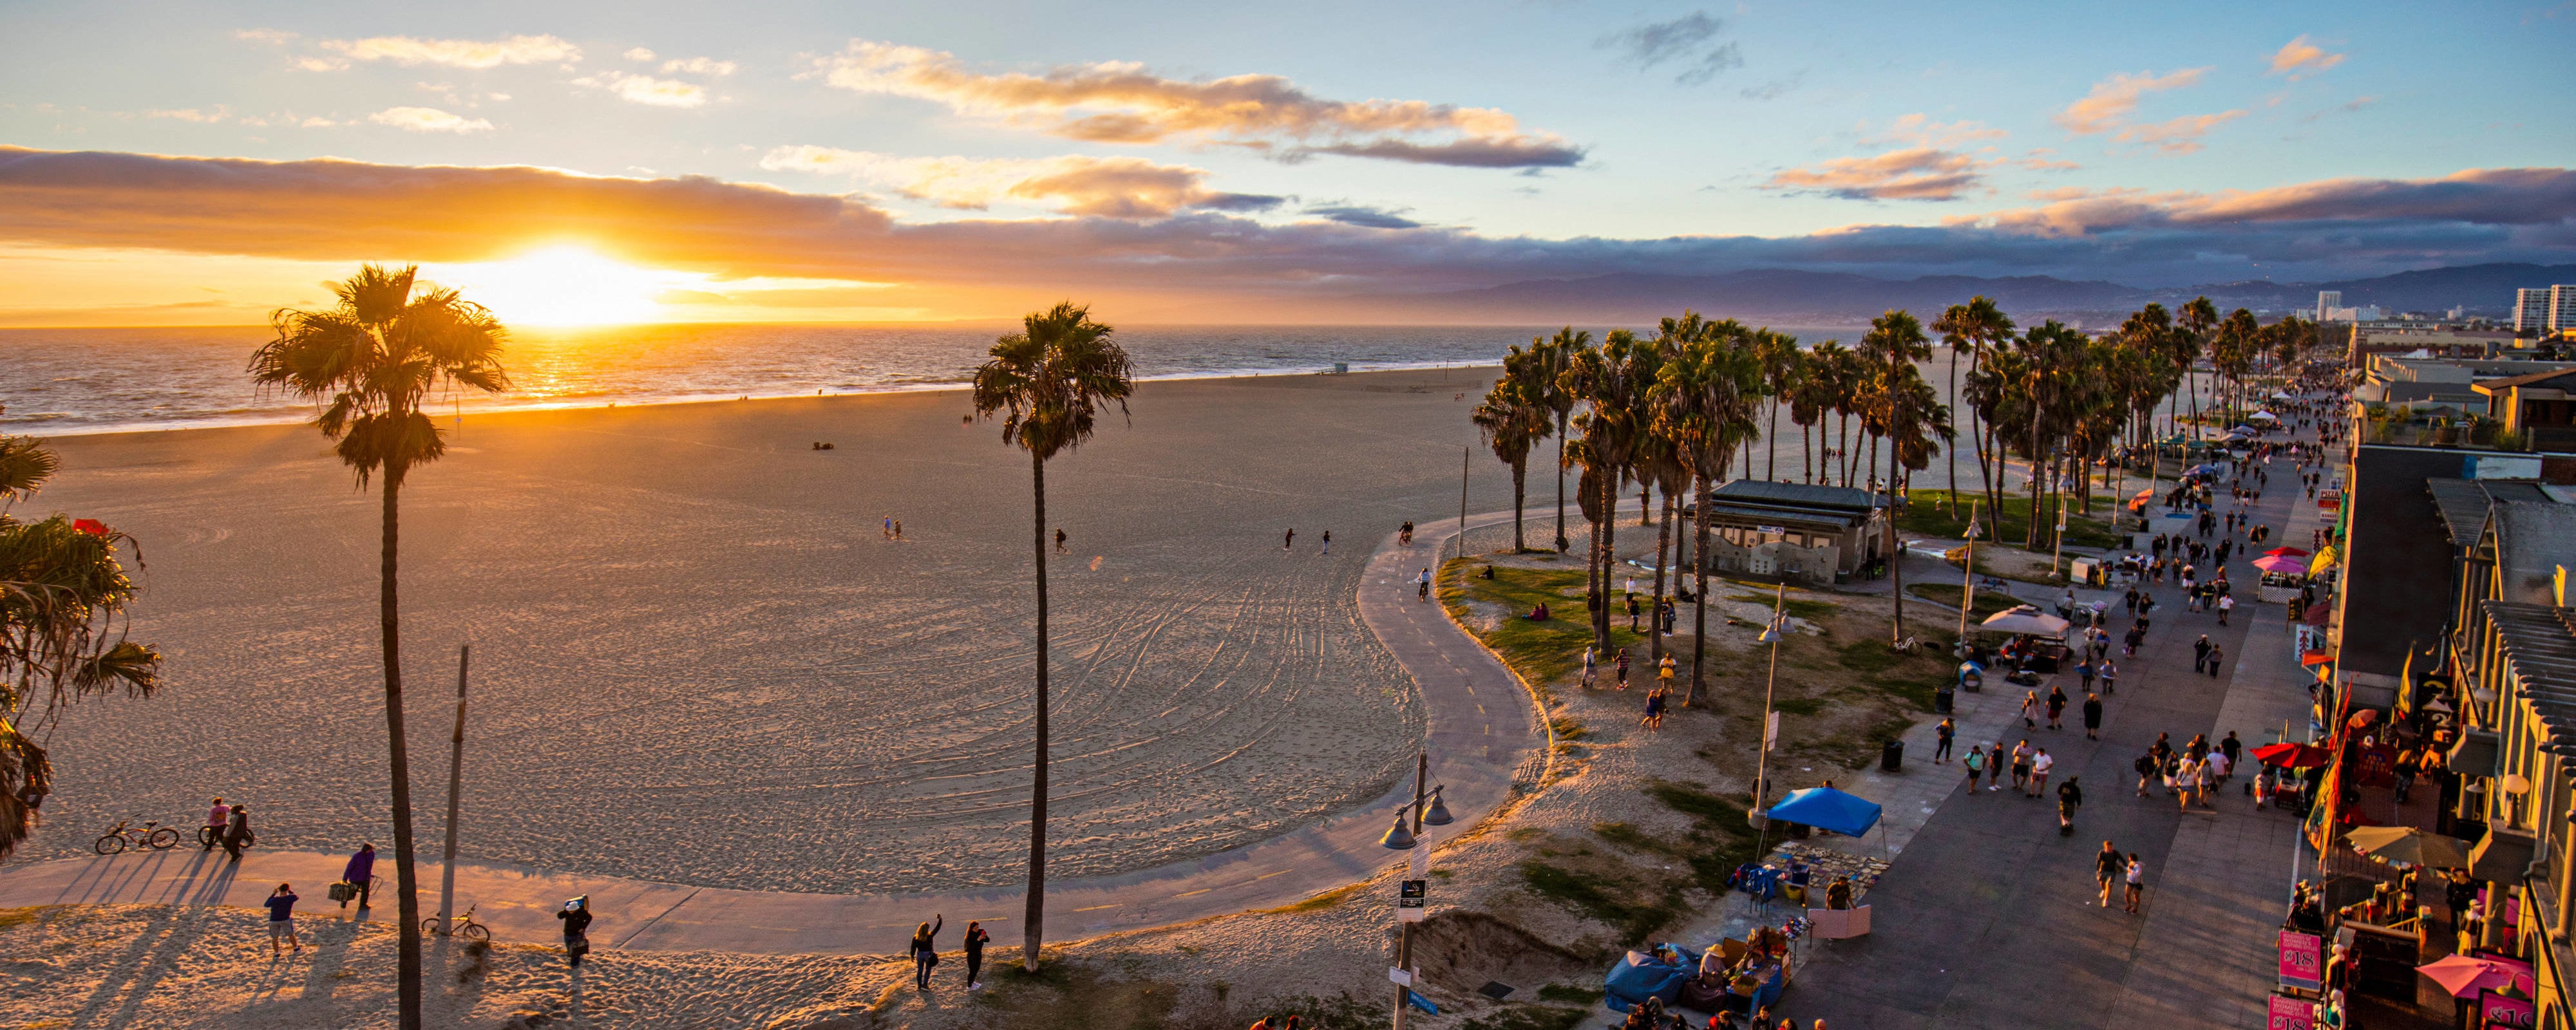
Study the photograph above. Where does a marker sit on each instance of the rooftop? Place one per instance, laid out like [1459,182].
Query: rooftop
[1797,495]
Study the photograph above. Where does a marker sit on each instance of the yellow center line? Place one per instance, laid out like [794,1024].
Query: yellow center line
[1096,908]
[1266,876]
[1195,893]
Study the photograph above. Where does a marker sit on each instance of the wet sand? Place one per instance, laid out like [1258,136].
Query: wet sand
[698,660]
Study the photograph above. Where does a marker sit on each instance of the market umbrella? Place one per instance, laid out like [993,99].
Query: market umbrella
[2280,563]
[2286,552]
[2411,845]
[2464,976]
[2324,560]
[2245,429]
[2145,495]
[2263,416]
[2025,619]
[2291,755]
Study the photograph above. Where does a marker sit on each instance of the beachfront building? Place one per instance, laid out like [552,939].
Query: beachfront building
[2537,406]
[2515,759]
[1809,533]
[2368,340]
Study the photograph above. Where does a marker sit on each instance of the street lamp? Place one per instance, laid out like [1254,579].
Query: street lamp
[1778,628]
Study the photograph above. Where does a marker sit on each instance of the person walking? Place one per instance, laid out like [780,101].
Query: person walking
[2185,780]
[281,920]
[1060,547]
[2137,884]
[1976,763]
[1654,719]
[2110,676]
[975,941]
[2213,771]
[2200,653]
[2056,707]
[237,832]
[1664,672]
[2040,764]
[2084,670]
[2232,748]
[2069,798]
[1943,733]
[2030,710]
[925,951]
[576,929]
[217,818]
[1328,540]
[2146,765]
[2216,654]
[2092,716]
[2226,604]
[1591,665]
[2021,755]
[1289,542]
[360,875]
[1620,668]
[2107,868]
[1632,607]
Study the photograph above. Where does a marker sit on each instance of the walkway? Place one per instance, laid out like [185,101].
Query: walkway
[1988,916]
[1482,726]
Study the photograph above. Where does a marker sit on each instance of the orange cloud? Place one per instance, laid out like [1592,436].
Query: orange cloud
[1107,187]
[647,90]
[1919,173]
[2179,136]
[428,119]
[1113,102]
[454,53]
[2114,99]
[2299,59]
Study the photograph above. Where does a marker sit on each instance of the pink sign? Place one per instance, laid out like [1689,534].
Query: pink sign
[2291,1014]
[2302,960]
[2499,1011]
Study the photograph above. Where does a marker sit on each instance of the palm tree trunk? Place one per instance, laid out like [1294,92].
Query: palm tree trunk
[1655,612]
[1034,919]
[406,880]
[1606,537]
[1952,483]
[1699,611]
[1520,479]
[1771,462]
[1895,557]
[1561,542]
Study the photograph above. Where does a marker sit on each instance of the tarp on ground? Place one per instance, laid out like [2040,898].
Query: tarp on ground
[1827,809]
[1637,976]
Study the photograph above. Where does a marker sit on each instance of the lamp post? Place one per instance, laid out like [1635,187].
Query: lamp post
[1770,690]
[1402,838]
[1968,577]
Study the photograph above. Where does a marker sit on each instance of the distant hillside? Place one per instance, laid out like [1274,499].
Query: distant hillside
[1794,297]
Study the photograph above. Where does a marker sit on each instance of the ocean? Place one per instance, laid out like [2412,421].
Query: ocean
[57,382]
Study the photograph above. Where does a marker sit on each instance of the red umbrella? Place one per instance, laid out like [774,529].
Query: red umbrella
[2292,756]
[2291,552]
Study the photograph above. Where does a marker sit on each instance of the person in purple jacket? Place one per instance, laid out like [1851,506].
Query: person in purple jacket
[361,874]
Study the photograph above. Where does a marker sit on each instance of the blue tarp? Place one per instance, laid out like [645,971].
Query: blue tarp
[1827,809]
[1637,977]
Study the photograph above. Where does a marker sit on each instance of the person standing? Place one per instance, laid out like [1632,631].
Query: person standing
[2107,868]
[1976,763]
[218,819]
[975,940]
[281,920]
[925,951]
[1632,606]
[1655,708]
[2040,764]
[576,929]
[1994,764]
[237,832]
[360,875]
[2110,676]
[1328,540]
[1591,665]
[2069,798]
[1620,667]
[2092,716]
[1941,750]
[2021,766]
[2030,710]
[1289,542]
[2137,885]
[2056,707]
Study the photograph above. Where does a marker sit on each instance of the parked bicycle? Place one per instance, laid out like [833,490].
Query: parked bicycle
[123,837]
[465,927]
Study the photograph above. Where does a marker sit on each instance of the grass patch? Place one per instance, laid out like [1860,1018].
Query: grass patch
[16,917]
[1799,705]
[1605,897]
[1544,652]
[1988,602]
[1927,512]
[1570,994]
[1528,1017]
[1867,656]
[1812,611]
[1322,901]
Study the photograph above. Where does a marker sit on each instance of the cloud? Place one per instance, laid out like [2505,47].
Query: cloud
[1916,173]
[344,211]
[1685,39]
[1919,130]
[1775,88]
[645,89]
[2178,136]
[1363,216]
[1114,102]
[698,66]
[638,54]
[190,114]
[2114,99]
[455,53]
[428,119]
[1106,187]
[263,35]
[2299,59]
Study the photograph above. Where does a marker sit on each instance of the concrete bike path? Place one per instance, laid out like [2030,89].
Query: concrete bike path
[1482,726]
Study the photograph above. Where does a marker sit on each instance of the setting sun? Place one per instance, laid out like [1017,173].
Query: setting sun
[565,285]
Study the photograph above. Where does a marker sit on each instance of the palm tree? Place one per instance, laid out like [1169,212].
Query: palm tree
[1606,378]
[1975,327]
[1704,403]
[1895,341]
[388,347]
[1783,364]
[2197,321]
[1549,358]
[63,597]
[1051,380]
[1513,423]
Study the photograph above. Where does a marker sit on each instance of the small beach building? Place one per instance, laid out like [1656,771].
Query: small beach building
[1824,533]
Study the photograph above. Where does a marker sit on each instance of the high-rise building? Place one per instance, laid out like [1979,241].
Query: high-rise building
[2562,308]
[2530,310]
[2327,301]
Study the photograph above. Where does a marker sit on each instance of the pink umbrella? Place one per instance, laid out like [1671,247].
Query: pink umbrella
[2464,976]
[2280,563]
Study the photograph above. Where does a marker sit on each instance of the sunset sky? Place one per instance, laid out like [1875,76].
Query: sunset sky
[203,163]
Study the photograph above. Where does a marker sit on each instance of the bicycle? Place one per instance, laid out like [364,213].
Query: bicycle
[121,837]
[465,927]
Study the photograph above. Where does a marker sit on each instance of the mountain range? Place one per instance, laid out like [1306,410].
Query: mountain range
[1793,297]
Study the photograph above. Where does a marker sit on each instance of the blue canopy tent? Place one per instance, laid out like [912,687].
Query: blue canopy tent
[1827,809]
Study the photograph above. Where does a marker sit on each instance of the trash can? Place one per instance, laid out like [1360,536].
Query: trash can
[1943,699]
[1891,758]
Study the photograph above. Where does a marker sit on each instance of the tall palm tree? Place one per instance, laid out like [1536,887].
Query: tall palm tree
[391,345]
[1783,364]
[1975,328]
[1051,380]
[2198,322]
[1704,403]
[1512,423]
[63,597]
[1549,359]
[1895,341]
[1606,379]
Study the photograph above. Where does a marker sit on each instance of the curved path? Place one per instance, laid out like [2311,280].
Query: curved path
[1482,726]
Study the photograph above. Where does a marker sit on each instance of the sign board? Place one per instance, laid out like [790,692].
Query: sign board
[2505,1012]
[1409,898]
[1771,732]
[1418,862]
[2290,1014]
[1773,530]
[2302,960]
[1400,975]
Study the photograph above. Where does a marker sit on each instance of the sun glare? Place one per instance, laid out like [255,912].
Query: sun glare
[565,285]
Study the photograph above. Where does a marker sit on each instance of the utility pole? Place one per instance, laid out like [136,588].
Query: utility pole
[1463,454]
[1770,689]
[1404,931]
[1968,574]
[455,780]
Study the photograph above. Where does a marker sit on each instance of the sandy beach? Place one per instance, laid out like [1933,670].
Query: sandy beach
[698,659]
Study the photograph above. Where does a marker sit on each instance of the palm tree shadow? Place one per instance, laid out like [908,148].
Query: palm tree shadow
[153,956]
